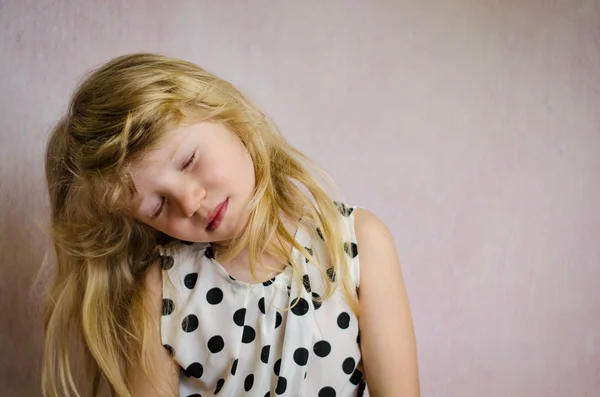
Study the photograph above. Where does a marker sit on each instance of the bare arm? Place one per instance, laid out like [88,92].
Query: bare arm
[167,371]
[387,336]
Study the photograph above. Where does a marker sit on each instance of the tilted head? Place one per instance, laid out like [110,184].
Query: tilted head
[154,150]
[155,144]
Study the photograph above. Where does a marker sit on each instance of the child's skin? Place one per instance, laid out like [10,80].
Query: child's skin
[197,186]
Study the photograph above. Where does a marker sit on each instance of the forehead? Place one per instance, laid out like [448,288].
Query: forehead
[143,169]
[170,144]
[162,151]
[176,139]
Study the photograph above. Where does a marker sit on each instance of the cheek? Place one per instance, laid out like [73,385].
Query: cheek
[179,228]
[226,169]
[212,172]
[170,226]
[244,162]
[249,164]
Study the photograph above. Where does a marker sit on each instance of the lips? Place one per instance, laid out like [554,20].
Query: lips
[216,216]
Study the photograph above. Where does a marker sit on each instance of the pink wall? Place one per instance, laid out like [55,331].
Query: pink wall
[471,127]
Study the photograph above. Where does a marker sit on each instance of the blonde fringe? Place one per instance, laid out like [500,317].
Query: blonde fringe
[117,114]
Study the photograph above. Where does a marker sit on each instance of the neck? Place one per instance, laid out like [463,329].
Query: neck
[222,248]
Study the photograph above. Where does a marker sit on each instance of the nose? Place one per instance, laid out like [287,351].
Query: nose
[191,198]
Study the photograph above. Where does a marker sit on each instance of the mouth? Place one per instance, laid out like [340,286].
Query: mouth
[216,216]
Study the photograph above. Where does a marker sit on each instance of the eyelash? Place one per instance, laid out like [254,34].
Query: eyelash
[159,209]
[162,200]
[189,162]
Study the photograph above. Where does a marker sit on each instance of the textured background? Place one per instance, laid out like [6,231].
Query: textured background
[471,127]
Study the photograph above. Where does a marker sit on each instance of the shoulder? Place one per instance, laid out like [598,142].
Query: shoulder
[365,220]
[160,361]
[387,336]
[373,237]
[379,263]
[152,294]
[152,284]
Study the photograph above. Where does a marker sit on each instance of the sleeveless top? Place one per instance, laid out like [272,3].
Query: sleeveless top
[233,338]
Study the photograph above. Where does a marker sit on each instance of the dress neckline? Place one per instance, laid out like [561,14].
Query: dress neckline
[284,276]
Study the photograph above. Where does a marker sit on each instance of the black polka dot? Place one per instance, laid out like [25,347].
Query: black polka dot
[277,367]
[351,249]
[306,282]
[167,307]
[216,344]
[249,334]
[269,282]
[220,384]
[327,392]
[261,305]
[186,242]
[356,377]
[299,306]
[239,316]
[322,348]
[214,296]
[343,320]
[361,388]
[344,210]
[301,356]
[190,323]
[234,366]
[348,365]
[209,253]
[281,385]
[194,370]
[264,354]
[320,233]
[167,262]
[310,251]
[190,280]
[331,274]
[268,394]
[306,373]
[358,338]
[249,382]
[195,395]
[317,304]
[278,319]
[170,349]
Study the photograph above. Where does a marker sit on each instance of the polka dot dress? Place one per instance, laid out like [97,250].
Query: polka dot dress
[233,338]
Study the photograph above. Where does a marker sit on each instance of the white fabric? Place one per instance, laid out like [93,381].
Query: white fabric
[233,338]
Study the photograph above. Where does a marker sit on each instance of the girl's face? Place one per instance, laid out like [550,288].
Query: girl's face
[196,185]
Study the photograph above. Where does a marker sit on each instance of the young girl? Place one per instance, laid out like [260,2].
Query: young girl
[198,255]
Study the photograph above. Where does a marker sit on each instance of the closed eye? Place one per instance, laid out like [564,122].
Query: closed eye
[189,161]
[158,210]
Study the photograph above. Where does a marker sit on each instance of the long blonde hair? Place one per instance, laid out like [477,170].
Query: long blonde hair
[116,115]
